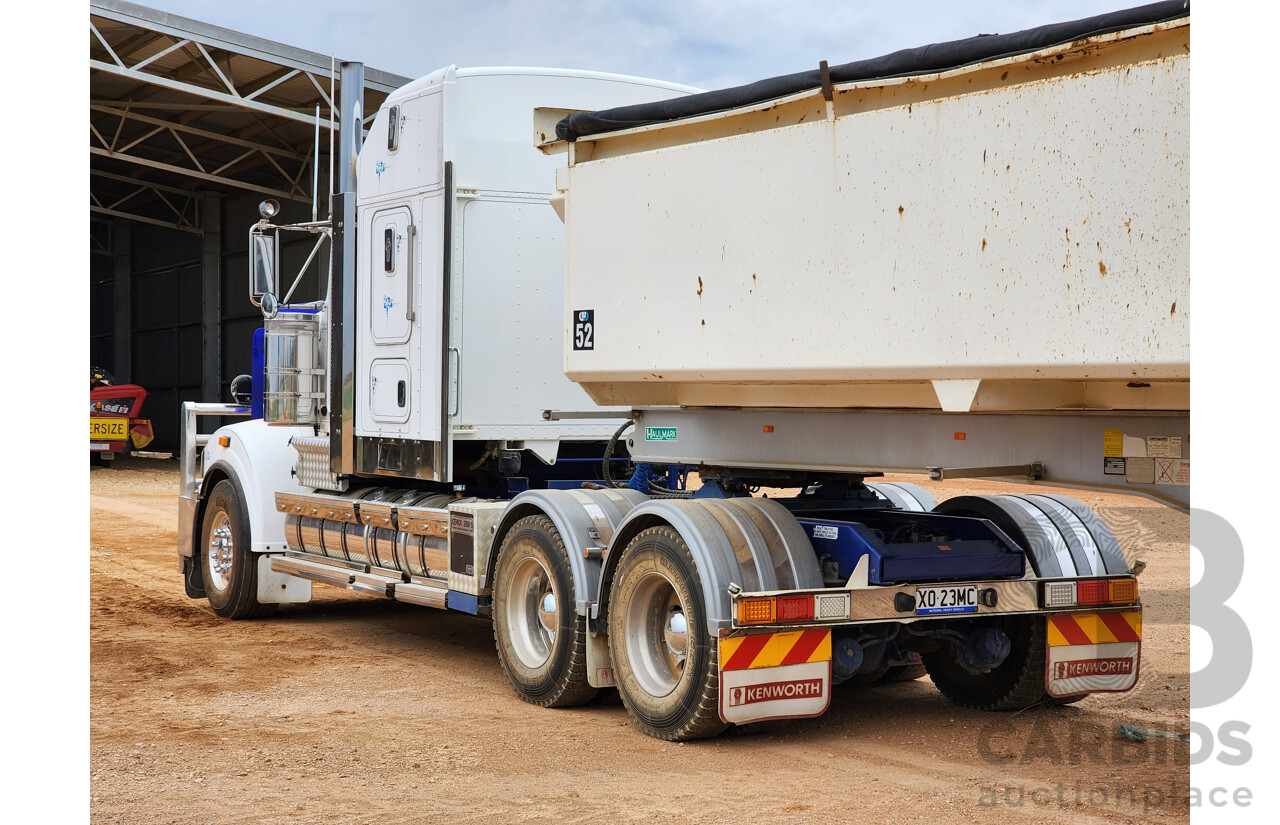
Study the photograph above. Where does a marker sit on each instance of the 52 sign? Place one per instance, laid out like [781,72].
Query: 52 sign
[584,329]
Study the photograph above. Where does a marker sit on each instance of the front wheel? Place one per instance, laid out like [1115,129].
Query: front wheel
[665,660]
[230,569]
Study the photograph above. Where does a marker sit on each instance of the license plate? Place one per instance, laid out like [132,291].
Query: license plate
[951,598]
[111,429]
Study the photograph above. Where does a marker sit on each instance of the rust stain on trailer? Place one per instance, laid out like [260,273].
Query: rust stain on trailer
[699,285]
[1102,268]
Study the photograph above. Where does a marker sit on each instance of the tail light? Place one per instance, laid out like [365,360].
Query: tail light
[789,609]
[795,608]
[1092,592]
[1124,591]
[756,611]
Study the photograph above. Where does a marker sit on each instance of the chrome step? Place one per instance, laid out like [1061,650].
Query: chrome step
[423,594]
[315,571]
[374,583]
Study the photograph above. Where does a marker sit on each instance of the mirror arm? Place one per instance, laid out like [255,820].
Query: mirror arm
[297,280]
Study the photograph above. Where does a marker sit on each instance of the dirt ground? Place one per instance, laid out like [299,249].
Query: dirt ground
[354,709]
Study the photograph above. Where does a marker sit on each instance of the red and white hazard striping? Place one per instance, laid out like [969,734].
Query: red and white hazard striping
[775,649]
[1094,628]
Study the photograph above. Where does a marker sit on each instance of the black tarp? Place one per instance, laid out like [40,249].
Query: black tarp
[938,57]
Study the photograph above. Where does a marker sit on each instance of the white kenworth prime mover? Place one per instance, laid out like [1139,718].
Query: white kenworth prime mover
[555,298]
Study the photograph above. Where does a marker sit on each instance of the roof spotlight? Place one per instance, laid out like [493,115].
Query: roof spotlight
[269,208]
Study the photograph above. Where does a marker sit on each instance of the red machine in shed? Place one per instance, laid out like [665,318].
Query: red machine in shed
[114,411]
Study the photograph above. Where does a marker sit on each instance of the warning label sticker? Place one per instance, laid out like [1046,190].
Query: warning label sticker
[825,531]
[1140,470]
[1173,471]
[1164,446]
[1113,443]
[1113,466]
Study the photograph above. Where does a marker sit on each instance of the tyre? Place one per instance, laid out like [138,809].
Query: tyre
[903,673]
[541,639]
[665,660]
[1016,684]
[230,569]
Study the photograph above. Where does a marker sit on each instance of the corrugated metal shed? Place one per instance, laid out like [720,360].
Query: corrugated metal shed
[190,125]
[179,106]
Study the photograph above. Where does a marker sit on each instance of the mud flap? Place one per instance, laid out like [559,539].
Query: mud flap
[1093,653]
[280,588]
[141,434]
[775,676]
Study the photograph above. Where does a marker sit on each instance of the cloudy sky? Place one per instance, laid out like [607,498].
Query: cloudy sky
[699,42]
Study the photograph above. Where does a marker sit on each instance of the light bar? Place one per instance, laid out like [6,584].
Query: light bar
[1090,592]
[793,608]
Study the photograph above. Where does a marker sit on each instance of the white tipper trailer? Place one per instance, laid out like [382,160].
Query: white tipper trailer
[969,259]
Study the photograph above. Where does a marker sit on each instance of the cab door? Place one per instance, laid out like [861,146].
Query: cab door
[391,281]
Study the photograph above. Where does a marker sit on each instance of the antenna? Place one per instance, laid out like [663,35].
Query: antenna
[332,70]
[315,172]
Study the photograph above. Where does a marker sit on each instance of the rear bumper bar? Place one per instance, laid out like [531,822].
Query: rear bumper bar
[869,604]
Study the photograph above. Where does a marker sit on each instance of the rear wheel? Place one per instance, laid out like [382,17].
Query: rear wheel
[664,658]
[541,639]
[230,569]
[1017,683]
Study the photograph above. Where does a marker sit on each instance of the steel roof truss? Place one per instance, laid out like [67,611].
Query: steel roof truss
[105,44]
[203,133]
[281,79]
[205,176]
[164,53]
[159,187]
[305,116]
[116,213]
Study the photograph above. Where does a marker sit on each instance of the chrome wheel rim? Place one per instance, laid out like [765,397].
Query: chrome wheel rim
[657,638]
[533,614]
[221,551]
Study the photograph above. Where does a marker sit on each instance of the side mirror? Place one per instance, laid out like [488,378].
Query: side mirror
[264,259]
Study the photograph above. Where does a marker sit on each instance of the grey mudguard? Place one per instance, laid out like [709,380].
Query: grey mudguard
[748,542]
[576,514]
[905,495]
[1112,557]
[1062,536]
